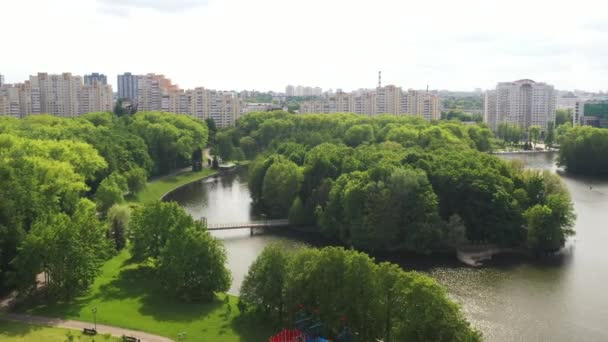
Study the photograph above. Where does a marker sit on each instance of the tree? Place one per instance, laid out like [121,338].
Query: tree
[550,134]
[359,134]
[212,131]
[136,179]
[281,185]
[118,218]
[264,285]
[224,145]
[378,301]
[563,116]
[108,194]
[151,226]
[249,147]
[68,250]
[583,150]
[192,264]
[534,133]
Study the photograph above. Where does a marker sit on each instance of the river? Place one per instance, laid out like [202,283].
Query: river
[557,299]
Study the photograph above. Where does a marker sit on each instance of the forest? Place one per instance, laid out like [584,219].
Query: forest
[583,150]
[399,183]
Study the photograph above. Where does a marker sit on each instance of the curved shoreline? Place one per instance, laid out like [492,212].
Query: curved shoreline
[162,197]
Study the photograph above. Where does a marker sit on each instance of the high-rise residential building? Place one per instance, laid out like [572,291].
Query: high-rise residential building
[383,100]
[1,80]
[95,97]
[128,86]
[95,77]
[58,93]
[290,90]
[62,95]
[155,92]
[523,102]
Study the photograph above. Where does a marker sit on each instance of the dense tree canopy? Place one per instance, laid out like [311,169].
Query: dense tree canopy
[393,183]
[48,164]
[346,288]
[583,150]
[190,262]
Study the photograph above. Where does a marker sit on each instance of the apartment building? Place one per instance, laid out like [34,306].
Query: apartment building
[523,102]
[1,80]
[128,86]
[95,78]
[61,95]
[383,100]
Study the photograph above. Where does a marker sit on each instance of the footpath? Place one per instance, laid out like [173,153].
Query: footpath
[77,325]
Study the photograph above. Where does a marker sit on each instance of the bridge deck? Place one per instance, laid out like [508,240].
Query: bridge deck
[252,224]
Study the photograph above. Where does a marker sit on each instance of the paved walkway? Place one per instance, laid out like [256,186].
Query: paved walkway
[77,325]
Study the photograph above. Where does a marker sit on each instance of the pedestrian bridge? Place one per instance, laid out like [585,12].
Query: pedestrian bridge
[251,225]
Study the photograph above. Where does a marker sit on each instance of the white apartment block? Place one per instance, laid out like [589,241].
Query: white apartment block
[384,100]
[61,95]
[522,102]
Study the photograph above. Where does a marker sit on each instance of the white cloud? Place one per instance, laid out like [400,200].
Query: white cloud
[267,44]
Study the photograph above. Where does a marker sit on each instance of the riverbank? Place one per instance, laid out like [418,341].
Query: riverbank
[160,187]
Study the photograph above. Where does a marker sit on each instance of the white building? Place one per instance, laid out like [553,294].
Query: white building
[523,102]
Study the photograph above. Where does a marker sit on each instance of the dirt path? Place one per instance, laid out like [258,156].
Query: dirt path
[77,325]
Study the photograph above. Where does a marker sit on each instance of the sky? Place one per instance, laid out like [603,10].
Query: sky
[268,44]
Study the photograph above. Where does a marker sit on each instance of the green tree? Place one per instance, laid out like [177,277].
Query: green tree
[534,133]
[151,226]
[550,134]
[136,179]
[192,264]
[264,285]
[359,134]
[563,116]
[224,145]
[118,218]
[249,147]
[68,250]
[108,193]
[583,150]
[282,183]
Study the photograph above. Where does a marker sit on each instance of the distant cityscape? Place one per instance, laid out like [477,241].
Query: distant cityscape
[522,102]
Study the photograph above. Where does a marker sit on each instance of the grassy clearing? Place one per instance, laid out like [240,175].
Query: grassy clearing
[13,332]
[126,296]
[155,189]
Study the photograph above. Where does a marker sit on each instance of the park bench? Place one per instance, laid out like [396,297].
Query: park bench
[129,339]
[91,332]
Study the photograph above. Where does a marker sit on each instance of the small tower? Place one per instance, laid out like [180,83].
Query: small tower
[379,79]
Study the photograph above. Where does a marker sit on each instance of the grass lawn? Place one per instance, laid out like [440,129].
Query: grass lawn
[155,189]
[13,332]
[127,296]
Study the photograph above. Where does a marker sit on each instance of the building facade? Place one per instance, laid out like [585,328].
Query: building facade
[383,100]
[523,102]
[95,78]
[128,86]
[62,95]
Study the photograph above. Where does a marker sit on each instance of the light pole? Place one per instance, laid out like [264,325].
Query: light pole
[95,317]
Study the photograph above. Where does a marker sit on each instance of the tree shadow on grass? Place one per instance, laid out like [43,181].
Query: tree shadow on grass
[12,329]
[252,327]
[142,282]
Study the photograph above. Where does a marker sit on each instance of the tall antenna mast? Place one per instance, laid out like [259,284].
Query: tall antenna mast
[379,79]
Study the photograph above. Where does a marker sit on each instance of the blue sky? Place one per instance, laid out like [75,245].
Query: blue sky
[267,44]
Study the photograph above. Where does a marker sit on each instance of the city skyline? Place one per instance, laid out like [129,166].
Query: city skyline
[446,45]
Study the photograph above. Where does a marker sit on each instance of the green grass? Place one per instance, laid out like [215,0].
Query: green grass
[126,295]
[13,332]
[155,189]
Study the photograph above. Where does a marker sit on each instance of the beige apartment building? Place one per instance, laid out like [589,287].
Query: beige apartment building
[61,95]
[523,102]
[383,100]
